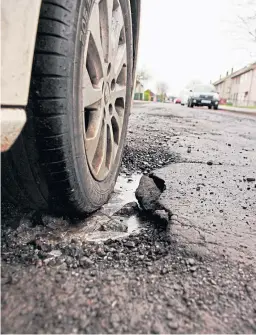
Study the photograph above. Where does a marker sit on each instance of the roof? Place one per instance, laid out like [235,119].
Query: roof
[236,74]
[219,81]
[244,70]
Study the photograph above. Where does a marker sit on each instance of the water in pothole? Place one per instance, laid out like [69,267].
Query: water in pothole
[105,223]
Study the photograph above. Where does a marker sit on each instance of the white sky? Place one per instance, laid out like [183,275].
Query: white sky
[182,40]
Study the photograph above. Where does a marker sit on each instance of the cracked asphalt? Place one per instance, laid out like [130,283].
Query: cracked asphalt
[119,271]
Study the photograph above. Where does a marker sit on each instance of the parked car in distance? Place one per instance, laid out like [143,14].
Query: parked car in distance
[67,73]
[204,95]
[177,101]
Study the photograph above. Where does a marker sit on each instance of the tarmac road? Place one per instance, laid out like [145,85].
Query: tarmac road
[123,273]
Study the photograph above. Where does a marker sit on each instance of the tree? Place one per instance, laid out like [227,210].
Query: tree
[241,28]
[247,17]
[162,89]
[143,75]
[193,82]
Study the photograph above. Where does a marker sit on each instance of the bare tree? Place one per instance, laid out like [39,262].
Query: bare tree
[143,75]
[192,83]
[162,89]
[241,27]
[247,20]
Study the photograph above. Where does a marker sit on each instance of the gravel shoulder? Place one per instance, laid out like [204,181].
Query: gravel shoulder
[125,273]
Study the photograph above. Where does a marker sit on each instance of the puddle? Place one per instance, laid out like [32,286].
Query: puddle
[123,194]
[103,224]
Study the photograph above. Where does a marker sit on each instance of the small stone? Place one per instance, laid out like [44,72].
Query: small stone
[210,163]
[173,325]
[129,209]
[193,268]
[191,261]
[129,244]
[250,179]
[85,261]
[164,271]
[55,253]
[169,316]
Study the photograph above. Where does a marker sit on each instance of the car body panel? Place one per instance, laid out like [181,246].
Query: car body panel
[18,33]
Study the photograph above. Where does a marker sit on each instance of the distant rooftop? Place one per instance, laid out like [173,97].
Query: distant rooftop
[236,73]
[244,70]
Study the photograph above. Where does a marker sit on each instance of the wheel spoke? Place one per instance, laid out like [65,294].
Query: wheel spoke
[94,28]
[117,26]
[106,16]
[120,60]
[91,94]
[95,145]
[117,124]
[100,158]
[112,147]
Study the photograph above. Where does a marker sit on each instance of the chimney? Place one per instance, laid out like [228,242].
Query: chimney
[227,73]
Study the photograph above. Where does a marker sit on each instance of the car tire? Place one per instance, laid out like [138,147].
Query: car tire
[216,107]
[209,107]
[60,163]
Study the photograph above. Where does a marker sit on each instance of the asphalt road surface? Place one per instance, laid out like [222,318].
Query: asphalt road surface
[123,272]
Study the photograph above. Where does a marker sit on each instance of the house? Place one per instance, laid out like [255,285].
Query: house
[238,87]
[149,96]
[139,90]
[223,86]
[243,88]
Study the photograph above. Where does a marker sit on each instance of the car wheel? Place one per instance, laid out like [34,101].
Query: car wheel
[68,156]
[216,107]
[209,107]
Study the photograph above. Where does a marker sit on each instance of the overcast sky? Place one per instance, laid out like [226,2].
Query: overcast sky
[182,40]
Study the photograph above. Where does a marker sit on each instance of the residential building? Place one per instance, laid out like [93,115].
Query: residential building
[243,89]
[223,86]
[139,91]
[239,88]
[149,96]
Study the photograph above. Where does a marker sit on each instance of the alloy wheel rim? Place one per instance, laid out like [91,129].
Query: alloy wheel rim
[104,85]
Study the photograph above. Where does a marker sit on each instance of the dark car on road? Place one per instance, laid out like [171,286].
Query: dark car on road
[204,95]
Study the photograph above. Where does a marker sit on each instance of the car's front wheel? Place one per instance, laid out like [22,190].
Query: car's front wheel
[68,156]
